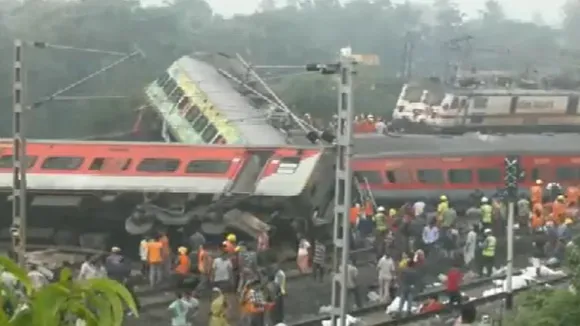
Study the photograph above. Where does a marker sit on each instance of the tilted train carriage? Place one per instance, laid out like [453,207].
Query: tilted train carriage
[138,185]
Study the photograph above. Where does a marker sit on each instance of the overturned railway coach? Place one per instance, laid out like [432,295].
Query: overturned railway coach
[410,167]
[140,185]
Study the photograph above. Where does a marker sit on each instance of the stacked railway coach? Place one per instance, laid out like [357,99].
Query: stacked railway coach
[107,187]
[212,101]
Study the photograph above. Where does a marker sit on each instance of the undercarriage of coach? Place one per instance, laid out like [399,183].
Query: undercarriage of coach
[102,220]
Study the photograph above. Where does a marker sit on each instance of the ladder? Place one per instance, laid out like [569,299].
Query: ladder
[364,191]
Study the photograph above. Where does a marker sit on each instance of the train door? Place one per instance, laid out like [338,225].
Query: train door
[254,163]
[572,107]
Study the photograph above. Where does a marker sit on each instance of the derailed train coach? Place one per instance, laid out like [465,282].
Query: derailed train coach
[78,190]
[405,168]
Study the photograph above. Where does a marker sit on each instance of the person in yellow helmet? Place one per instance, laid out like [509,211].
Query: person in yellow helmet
[442,207]
[230,244]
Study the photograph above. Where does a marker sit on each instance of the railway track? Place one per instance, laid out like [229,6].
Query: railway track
[374,315]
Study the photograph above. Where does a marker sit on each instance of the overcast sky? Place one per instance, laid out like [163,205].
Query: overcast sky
[551,11]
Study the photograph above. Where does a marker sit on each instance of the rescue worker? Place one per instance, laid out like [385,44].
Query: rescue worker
[469,247]
[572,194]
[218,309]
[523,206]
[442,207]
[253,303]
[488,252]
[537,192]
[486,214]
[230,243]
[204,264]
[564,232]
[155,261]
[380,222]
[165,252]
[354,214]
[182,266]
[537,221]
[559,210]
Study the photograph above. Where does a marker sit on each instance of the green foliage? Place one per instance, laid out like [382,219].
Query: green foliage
[551,307]
[304,31]
[100,302]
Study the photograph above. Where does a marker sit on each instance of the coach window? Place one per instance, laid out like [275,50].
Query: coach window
[208,166]
[158,165]
[175,96]
[489,176]
[460,176]
[62,163]
[209,133]
[183,103]
[372,177]
[6,161]
[110,164]
[566,173]
[169,87]
[192,113]
[163,79]
[430,176]
[200,123]
[398,176]
[538,174]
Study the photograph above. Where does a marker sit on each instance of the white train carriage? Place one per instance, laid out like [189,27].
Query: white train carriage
[507,110]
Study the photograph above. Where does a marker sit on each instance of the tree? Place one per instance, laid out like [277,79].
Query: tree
[552,307]
[100,302]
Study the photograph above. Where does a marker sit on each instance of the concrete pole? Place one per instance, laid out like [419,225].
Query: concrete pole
[510,253]
[343,193]
[20,162]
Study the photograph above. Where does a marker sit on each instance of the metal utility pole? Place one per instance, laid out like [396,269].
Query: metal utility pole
[343,194]
[407,60]
[20,159]
[513,174]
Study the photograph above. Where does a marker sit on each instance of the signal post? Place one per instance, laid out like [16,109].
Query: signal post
[513,174]
[344,69]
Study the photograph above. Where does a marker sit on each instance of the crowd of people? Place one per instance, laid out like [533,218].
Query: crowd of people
[412,244]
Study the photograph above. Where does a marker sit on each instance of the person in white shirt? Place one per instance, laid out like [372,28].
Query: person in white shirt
[92,268]
[37,279]
[223,272]
[469,248]
[386,274]
[419,208]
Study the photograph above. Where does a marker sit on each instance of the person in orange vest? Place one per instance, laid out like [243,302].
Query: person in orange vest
[354,214]
[253,303]
[165,252]
[204,264]
[537,192]
[155,261]
[559,210]
[182,266]
[537,216]
[572,194]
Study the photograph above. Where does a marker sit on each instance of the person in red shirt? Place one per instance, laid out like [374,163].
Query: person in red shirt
[432,305]
[453,285]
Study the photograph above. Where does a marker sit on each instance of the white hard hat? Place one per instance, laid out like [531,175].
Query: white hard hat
[381,209]
[484,200]
[487,231]
[539,182]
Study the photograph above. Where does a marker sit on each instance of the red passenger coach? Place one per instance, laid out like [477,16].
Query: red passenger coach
[163,168]
[411,167]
